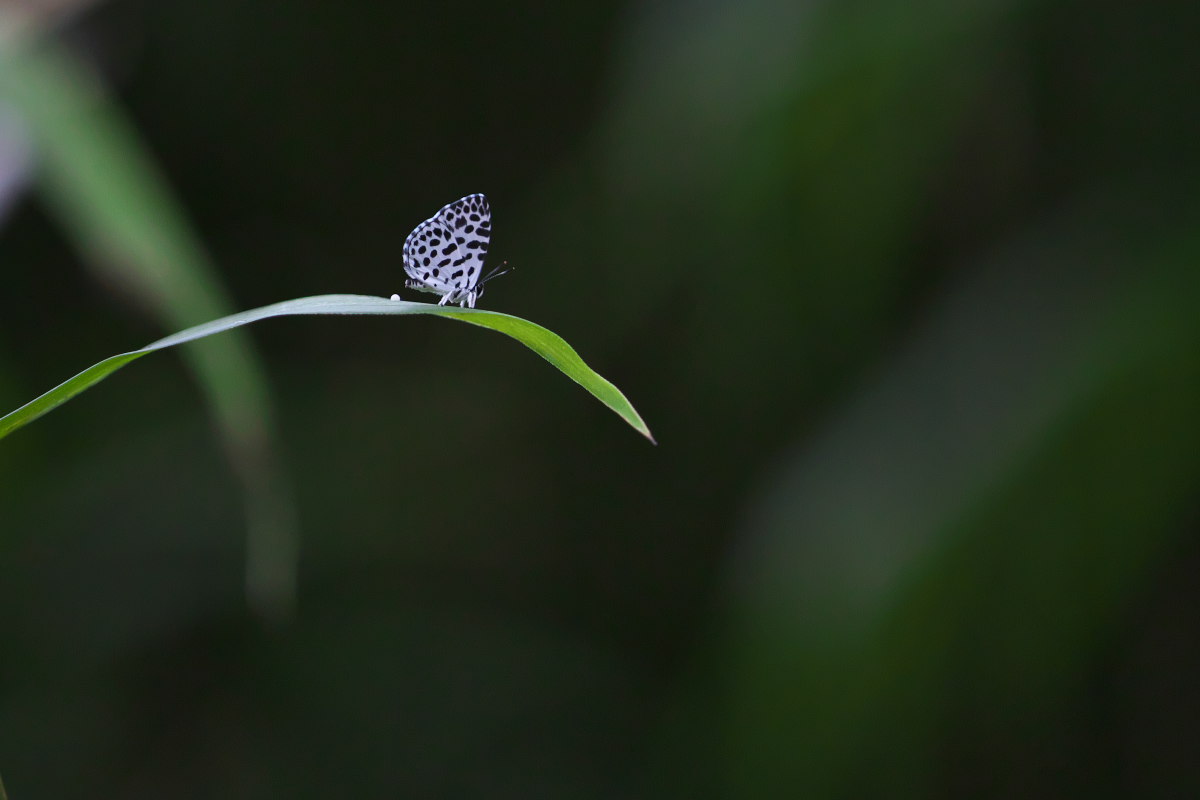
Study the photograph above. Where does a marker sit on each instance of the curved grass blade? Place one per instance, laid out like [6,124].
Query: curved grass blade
[548,345]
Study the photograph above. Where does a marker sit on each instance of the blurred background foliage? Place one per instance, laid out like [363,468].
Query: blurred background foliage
[907,291]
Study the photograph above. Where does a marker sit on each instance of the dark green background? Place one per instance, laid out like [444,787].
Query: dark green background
[907,292]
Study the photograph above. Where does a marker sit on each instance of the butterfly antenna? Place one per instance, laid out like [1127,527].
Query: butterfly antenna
[503,269]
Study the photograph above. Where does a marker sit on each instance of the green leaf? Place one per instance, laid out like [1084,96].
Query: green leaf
[98,181]
[548,345]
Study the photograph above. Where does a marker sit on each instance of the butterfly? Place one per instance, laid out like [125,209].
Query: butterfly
[444,254]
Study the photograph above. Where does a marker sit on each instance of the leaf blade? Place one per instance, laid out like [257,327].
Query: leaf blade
[542,341]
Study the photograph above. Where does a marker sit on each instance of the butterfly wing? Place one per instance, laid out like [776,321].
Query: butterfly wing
[445,253]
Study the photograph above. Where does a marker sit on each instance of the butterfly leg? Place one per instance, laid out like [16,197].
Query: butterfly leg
[445,299]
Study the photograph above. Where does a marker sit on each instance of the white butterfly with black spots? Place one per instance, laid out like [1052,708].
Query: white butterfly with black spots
[444,254]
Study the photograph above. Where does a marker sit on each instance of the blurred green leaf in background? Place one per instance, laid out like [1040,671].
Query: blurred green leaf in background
[102,187]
